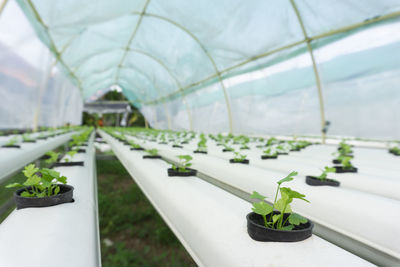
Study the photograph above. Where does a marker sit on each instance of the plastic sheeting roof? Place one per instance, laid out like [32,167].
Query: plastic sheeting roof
[280,63]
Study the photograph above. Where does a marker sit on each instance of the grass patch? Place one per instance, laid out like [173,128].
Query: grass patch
[138,235]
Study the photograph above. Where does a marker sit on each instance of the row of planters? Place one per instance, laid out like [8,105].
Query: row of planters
[275,223]
[15,141]
[273,148]
[46,187]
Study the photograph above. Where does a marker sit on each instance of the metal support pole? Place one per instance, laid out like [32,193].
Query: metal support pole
[317,78]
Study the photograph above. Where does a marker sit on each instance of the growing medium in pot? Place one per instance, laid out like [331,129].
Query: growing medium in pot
[43,187]
[277,222]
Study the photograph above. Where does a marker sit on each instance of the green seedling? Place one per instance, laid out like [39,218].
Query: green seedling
[134,145]
[270,152]
[152,152]
[27,138]
[70,155]
[239,157]
[395,150]
[42,182]
[12,141]
[53,157]
[346,163]
[325,172]
[184,163]
[277,221]
[228,148]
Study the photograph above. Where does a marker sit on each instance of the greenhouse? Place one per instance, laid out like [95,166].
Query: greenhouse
[199,133]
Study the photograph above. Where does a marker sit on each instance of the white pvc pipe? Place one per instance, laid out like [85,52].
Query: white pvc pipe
[211,223]
[12,159]
[368,218]
[64,235]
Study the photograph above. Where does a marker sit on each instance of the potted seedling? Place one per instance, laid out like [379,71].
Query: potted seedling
[395,151]
[182,168]
[42,188]
[227,148]
[67,160]
[322,179]
[201,145]
[27,139]
[269,154]
[52,157]
[135,146]
[12,143]
[346,166]
[281,150]
[152,154]
[239,158]
[277,222]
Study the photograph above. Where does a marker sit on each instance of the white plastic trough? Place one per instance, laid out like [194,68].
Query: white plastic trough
[368,222]
[65,235]
[211,223]
[12,159]
[378,171]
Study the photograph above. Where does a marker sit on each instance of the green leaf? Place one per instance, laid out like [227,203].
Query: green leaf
[30,170]
[262,208]
[280,205]
[62,179]
[26,194]
[56,190]
[257,195]
[287,228]
[34,180]
[276,218]
[14,185]
[292,194]
[288,178]
[296,219]
[41,194]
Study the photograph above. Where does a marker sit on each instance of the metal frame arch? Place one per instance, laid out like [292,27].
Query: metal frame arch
[188,32]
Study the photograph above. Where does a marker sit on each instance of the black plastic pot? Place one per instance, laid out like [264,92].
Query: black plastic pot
[184,143]
[312,180]
[29,141]
[227,150]
[295,149]
[268,157]
[244,148]
[137,148]
[67,164]
[245,161]
[283,153]
[336,161]
[42,138]
[177,146]
[258,232]
[152,157]
[11,146]
[201,152]
[64,196]
[81,150]
[189,172]
[341,169]
[163,143]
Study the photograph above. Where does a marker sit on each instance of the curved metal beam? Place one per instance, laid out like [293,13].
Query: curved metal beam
[317,78]
[132,37]
[158,91]
[197,40]
[52,45]
[173,77]
[3,5]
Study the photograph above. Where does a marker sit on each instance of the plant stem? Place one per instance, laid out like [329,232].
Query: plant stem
[265,220]
[273,205]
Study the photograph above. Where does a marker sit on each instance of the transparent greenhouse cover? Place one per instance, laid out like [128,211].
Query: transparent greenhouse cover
[260,66]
